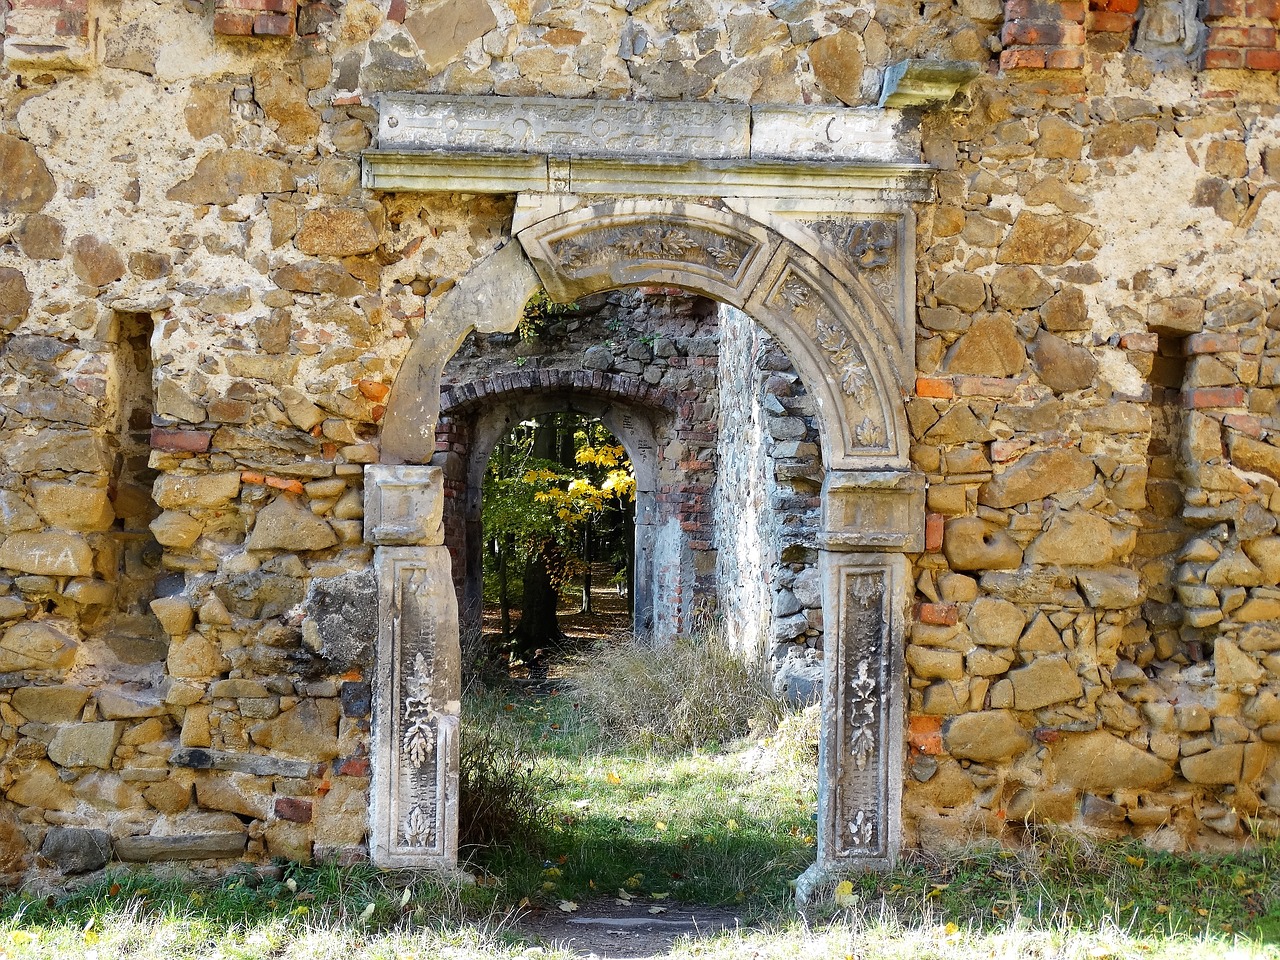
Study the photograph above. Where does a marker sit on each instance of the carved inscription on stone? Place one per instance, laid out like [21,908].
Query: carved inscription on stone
[591,128]
[860,771]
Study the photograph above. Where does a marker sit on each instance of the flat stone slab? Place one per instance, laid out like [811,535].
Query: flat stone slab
[616,128]
[625,129]
[609,929]
[197,846]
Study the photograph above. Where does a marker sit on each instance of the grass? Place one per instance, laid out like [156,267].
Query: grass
[724,823]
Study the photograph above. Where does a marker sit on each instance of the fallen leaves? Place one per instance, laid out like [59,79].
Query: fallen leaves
[567,906]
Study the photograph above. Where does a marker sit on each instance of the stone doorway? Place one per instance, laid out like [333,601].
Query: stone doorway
[817,252]
[841,343]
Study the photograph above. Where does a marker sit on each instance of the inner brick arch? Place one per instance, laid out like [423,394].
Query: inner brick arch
[474,416]
[844,347]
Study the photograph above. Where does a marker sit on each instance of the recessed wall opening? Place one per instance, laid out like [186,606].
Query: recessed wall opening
[692,432]
[721,437]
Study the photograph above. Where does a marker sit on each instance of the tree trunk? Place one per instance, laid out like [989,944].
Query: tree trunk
[538,629]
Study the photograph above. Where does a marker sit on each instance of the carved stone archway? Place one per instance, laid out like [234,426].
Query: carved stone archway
[854,359]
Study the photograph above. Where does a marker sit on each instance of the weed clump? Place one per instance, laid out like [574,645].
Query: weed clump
[502,788]
[689,693]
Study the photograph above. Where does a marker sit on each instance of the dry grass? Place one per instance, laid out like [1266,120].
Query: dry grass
[689,693]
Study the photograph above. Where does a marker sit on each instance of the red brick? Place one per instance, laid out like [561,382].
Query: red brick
[1266,9]
[1140,342]
[1033,31]
[1106,22]
[934,387]
[291,808]
[257,6]
[397,11]
[1203,397]
[1225,8]
[188,441]
[273,25]
[351,767]
[938,614]
[1040,10]
[1264,37]
[1029,58]
[1262,59]
[1065,59]
[933,528]
[1223,58]
[986,386]
[1244,423]
[233,24]
[1199,343]
[925,734]
[1121,6]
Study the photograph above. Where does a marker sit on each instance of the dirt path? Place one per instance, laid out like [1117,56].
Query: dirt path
[609,930]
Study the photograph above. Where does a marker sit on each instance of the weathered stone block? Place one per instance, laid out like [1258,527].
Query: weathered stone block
[970,543]
[52,553]
[337,232]
[62,703]
[308,731]
[76,850]
[991,347]
[404,505]
[1043,239]
[1045,681]
[1234,763]
[995,622]
[1061,365]
[86,744]
[1102,763]
[73,506]
[342,619]
[174,492]
[173,528]
[195,656]
[223,176]
[95,261]
[1038,475]
[15,298]
[27,185]
[36,645]
[189,846]
[287,524]
[1079,538]
[987,736]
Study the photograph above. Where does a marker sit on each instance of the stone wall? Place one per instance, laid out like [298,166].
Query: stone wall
[190,269]
[767,506]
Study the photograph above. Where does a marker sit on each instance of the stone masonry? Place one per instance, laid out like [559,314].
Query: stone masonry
[1030,307]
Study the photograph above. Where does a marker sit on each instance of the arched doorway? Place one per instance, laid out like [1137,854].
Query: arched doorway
[856,361]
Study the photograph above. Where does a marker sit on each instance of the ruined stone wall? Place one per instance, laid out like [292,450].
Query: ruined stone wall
[767,507]
[1095,635]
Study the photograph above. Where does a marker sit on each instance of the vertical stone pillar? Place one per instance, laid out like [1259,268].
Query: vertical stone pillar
[869,519]
[417,683]
[861,749]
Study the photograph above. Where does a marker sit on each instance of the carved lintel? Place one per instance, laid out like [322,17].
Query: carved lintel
[873,509]
[403,505]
